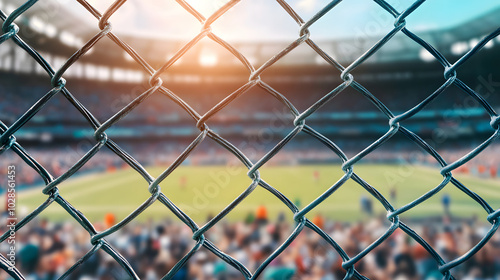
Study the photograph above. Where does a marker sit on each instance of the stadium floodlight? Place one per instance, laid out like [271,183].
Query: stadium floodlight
[171,54]
[50,30]
[425,55]
[90,71]
[127,57]
[459,48]
[9,8]
[70,39]
[473,42]
[79,42]
[46,137]
[37,24]
[77,70]
[320,61]
[208,59]
[103,73]
[135,76]
[67,38]
[252,59]
[118,75]
[40,26]
[489,45]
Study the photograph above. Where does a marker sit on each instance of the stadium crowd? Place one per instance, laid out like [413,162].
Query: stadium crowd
[156,153]
[46,250]
[105,99]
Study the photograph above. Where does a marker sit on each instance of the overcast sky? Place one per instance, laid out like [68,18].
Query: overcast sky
[266,20]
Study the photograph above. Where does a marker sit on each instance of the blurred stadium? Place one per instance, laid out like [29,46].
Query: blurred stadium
[401,74]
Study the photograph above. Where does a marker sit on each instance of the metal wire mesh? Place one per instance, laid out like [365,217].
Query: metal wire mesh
[98,239]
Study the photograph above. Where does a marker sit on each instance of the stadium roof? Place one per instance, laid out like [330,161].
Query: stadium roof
[72,25]
[265,20]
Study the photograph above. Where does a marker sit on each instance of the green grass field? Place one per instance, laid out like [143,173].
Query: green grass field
[203,191]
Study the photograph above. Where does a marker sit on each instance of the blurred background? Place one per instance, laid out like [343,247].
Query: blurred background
[401,75]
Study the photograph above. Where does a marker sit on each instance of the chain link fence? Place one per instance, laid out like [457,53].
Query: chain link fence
[98,239]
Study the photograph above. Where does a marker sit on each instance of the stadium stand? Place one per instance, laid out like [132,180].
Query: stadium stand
[152,249]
